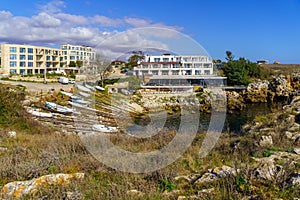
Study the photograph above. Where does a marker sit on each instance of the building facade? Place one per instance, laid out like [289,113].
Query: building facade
[75,53]
[172,65]
[27,59]
[172,73]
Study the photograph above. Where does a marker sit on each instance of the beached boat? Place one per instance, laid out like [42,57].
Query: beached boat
[71,95]
[99,88]
[80,101]
[82,88]
[84,94]
[58,108]
[104,129]
[90,87]
[38,113]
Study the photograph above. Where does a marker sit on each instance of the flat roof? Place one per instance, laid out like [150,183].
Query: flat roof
[187,77]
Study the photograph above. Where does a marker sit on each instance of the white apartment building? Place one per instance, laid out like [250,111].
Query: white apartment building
[172,73]
[172,65]
[28,59]
[77,53]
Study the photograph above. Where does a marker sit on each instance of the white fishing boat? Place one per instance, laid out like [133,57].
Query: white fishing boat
[84,94]
[82,88]
[38,113]
[71,95]
[99,88]
[89,87]
[80,101]
[104,129]
[58,108]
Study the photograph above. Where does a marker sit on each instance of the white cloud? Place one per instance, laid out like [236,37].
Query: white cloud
[106,21]
[55,6]
[72,19]
[44,20]
[51,26]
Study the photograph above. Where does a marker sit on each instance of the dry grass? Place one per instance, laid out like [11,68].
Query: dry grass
[37,151]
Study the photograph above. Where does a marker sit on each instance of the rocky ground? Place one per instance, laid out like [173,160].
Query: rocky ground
[262,163]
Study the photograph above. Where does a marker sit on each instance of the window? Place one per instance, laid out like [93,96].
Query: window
[22,64]
[175,72]
[30,57]
[48,64]
[155,66]
[22,71]
[13,71]
[22,50]
[30,50]
[22,57]
[165,73]
[12,63]
[166,59]
[48,57]
[156,59]
[72,57]
[155,72]
[13,56]
[12,49]
[30,64]
[29,71]
[207,65]
[206,72]
[165,66]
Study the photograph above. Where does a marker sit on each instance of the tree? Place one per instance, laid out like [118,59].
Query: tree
[229,56]
[100,66]
[241,71]
[134,59]
[72,64]
[79,63]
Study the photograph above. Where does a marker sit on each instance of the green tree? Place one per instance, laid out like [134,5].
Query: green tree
[72,64]
[229,56]
[134,59]
[79,63]
[241,71]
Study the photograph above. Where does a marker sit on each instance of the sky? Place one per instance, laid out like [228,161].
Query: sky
[255,30]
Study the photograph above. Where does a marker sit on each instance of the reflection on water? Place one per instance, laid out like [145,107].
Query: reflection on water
[233,122]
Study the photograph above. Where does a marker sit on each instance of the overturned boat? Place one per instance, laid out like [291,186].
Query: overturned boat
[58,108]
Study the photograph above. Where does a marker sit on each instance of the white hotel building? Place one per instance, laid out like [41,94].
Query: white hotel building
[168,65]
[177,73]
[77,52]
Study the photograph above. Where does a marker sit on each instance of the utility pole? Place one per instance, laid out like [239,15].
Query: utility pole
[45,73]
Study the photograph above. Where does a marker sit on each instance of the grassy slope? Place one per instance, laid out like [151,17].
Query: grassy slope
[36,151]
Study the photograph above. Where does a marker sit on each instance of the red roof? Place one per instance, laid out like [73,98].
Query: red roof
[121,61]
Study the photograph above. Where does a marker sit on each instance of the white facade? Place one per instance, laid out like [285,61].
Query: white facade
[171,65]
[77,53]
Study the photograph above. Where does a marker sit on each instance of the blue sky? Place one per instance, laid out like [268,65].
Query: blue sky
[257,29]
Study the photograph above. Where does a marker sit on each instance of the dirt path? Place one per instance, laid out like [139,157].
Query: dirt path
[39,87]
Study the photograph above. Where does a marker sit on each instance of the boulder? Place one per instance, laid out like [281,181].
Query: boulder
[268,171]
[266,141]
[20,188]
[257,92]
[135,193]
[217,173]
[295,179]
[12,134]
[279,86]
[235,101]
